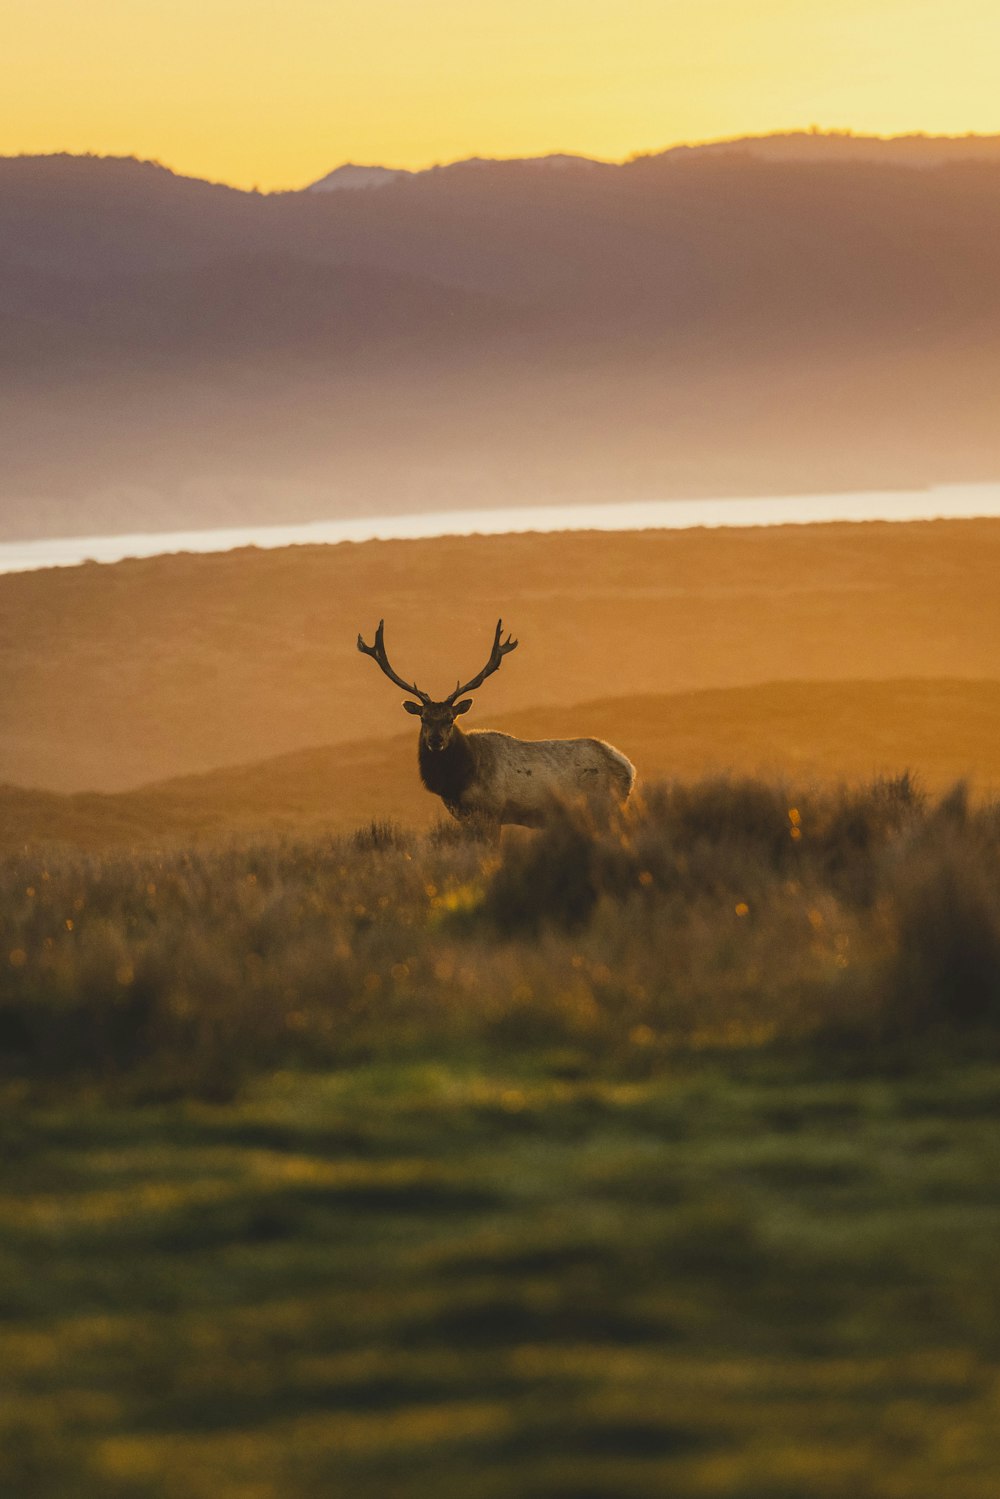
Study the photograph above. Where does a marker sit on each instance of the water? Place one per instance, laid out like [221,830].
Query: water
[954,502]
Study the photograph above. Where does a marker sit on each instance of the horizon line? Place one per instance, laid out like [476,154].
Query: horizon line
[811,130]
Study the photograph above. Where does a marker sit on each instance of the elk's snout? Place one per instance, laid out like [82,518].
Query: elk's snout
[436,730]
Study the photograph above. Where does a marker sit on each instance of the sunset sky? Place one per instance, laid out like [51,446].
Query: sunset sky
[275,93]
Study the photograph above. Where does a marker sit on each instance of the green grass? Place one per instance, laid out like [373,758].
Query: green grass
[747,1277]
[650,1158]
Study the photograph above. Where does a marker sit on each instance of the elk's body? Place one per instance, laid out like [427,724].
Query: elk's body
[486,778]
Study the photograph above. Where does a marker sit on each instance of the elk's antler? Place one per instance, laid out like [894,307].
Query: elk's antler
[377,652]
[493,664]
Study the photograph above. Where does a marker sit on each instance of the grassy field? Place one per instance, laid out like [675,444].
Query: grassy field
[654,1158]
[743,1277]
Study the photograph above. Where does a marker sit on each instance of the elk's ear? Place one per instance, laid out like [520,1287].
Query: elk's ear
[463,706]
[413,708]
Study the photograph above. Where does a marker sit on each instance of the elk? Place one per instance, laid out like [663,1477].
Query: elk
[486,778]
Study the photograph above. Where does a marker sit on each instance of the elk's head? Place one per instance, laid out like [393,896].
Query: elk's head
[437,719]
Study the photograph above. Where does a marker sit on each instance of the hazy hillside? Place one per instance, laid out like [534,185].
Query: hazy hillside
[939,731]
[721,321]
[118,676]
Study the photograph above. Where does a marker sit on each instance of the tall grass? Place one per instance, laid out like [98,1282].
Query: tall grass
[725,913]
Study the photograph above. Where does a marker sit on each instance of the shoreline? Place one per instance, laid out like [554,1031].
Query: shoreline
[938,502]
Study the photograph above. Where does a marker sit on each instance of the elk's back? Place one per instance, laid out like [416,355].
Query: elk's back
[520,780]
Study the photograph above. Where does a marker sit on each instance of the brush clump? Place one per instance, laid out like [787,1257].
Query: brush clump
[729,912]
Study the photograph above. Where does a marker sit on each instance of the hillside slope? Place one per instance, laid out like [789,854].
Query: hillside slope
[122,675]
[940,731]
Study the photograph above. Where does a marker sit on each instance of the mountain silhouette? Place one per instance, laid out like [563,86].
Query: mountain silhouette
[794,312]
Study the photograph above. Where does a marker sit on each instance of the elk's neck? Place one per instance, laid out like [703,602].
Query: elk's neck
[448,772]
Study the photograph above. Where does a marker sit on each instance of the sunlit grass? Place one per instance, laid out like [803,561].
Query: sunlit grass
[456,1277]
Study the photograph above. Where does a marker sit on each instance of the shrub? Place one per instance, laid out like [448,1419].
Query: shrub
[556,877]
[946,965]
[723,913]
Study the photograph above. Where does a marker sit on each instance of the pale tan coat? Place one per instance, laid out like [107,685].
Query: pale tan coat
[521,780]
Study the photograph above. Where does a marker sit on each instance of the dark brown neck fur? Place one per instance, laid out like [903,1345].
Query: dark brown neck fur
[448,772]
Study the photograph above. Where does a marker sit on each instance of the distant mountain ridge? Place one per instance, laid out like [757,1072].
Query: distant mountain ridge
[352,176]
[915,150]
[792,313]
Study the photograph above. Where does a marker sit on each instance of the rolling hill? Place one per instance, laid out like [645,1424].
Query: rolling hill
[939,731]
[118,676]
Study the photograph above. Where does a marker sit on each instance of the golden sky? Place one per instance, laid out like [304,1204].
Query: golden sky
[275,93]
